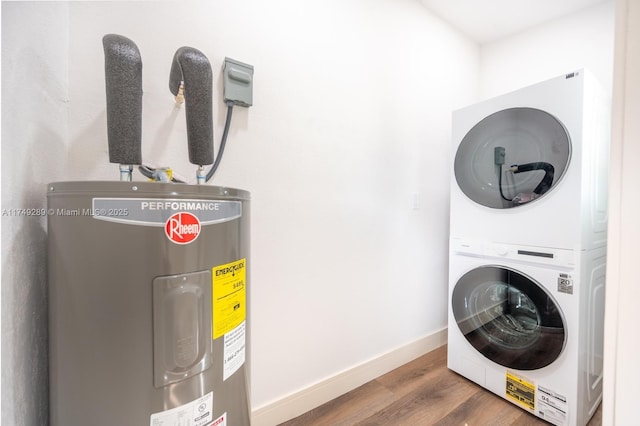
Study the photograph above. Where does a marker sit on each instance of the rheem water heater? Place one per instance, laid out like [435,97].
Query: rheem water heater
[148,292]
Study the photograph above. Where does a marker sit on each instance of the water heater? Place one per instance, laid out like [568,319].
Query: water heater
[148,304]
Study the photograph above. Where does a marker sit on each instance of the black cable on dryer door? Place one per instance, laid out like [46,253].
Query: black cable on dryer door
[500,186]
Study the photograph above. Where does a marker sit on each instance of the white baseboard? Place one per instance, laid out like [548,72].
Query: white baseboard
[315,395]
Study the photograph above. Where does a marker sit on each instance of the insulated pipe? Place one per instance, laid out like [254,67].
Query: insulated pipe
[123,77]
[191,69]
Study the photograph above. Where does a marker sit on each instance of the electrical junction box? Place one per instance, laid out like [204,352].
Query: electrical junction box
[238,82]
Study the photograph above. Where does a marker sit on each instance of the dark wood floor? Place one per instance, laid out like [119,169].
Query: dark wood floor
[422,392]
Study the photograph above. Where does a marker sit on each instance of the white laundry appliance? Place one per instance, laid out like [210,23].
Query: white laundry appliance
[531,166]
[526,323]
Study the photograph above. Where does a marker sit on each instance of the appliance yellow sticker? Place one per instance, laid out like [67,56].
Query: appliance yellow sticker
[521,391]
[229,296]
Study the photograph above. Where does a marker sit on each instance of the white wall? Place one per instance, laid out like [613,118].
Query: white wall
[350,124]
[622,372]
[34,134]
[581,40]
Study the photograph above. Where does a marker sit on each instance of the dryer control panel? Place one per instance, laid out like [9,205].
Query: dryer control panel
[524,253]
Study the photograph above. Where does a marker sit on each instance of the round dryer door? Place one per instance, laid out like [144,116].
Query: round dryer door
[508,318]
[512,157]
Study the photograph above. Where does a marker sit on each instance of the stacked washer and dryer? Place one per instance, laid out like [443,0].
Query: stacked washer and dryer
[528,246]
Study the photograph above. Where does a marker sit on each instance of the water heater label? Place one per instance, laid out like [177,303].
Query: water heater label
[194,413]
[156,212]
[234,351]
[229,296]
[220,421]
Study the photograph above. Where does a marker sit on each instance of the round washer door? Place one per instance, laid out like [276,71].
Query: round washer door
[508,317]
[530,138]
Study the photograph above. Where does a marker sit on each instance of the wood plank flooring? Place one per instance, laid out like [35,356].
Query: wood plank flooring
[422,392]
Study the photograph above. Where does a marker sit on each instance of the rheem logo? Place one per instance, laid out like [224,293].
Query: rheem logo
[182,228]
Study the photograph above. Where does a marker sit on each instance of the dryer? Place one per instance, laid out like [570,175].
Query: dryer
[531,167]
[526,323]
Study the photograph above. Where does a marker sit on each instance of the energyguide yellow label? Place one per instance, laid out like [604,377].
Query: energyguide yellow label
[229,296]
[521,391]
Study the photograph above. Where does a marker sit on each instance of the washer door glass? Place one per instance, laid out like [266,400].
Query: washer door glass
[512,157]
[508,318]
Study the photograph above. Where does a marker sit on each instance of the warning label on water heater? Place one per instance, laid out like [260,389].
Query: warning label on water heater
[234,351]
[229,296]
[194,413]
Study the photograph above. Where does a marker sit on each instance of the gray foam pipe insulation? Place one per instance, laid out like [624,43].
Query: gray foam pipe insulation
[192,68]
[123,76]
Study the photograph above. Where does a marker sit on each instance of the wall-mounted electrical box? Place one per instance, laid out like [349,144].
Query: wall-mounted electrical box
[238,82]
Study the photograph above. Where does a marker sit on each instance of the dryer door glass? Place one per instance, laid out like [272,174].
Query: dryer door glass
[512,157]
[508,318]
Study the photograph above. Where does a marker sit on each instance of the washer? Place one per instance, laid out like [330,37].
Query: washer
[531,167]
[526,323]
